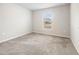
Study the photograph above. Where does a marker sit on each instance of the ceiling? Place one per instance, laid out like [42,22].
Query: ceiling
[36,6]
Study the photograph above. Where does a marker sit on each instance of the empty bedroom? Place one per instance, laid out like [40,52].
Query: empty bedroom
[39,29]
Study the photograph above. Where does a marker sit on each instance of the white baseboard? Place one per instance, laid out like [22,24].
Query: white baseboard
[14,37]
[75,45]
[51,34]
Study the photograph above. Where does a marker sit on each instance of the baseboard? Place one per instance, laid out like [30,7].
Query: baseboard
[75,46]
[51,35]
[14,37]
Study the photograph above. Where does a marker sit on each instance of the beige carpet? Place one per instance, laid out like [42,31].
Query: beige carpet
[38,44]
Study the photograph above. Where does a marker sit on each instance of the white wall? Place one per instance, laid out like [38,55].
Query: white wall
[75,25]
[1,20]
[15,22]
[61,21]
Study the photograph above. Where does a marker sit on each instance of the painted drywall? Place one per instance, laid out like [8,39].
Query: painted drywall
[1,21]
[16,21]
[75,25]
[60,21]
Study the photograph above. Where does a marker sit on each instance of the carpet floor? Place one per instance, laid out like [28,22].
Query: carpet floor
[38,44]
